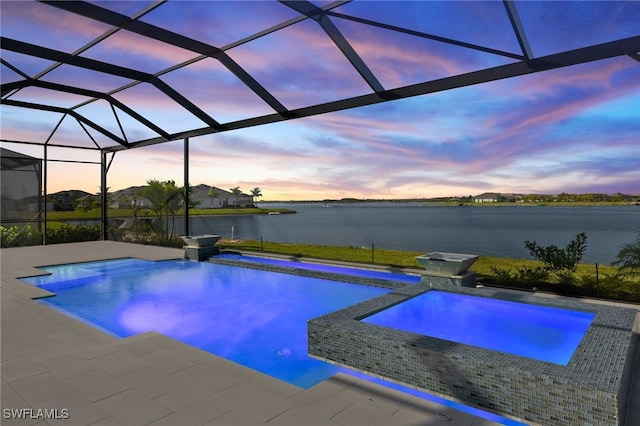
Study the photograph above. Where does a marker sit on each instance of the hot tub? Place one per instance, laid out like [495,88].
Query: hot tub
[538,391]
[446,264]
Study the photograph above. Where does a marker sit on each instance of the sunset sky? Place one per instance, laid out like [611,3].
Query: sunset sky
[575,129]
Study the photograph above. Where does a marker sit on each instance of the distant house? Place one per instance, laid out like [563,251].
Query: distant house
[200,194]
[489,197]
[138,202]
[221,198]
[67,200]
[129,203]
[128,199]
[86,202]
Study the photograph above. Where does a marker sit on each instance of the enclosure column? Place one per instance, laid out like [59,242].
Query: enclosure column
[103,195]
[44,197]
[185,165]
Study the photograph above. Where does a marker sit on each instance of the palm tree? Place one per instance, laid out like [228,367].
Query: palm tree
[628,259]
[213,193]
[83,203]
[98,199]
[166,199]
[255,192]
[192,202]
[236,193]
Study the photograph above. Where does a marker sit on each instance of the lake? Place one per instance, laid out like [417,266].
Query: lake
[498,231]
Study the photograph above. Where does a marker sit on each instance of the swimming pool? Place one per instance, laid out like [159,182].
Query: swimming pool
[255,318]
[533,331]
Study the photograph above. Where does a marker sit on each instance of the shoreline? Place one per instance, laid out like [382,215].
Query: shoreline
[73,216]
[458,204]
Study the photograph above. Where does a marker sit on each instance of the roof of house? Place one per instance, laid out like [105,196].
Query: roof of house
[489,195]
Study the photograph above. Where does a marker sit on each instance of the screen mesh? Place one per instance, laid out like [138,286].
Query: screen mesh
[21,182]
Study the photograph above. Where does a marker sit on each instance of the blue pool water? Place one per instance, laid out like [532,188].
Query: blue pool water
[253,317]
[533,331]
[320,267]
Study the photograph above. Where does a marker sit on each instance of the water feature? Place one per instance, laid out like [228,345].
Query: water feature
[438,263]
[201,240]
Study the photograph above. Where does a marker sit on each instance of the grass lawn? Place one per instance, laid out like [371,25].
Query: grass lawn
[405,259]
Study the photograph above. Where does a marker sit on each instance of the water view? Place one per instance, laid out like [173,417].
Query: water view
[488,231]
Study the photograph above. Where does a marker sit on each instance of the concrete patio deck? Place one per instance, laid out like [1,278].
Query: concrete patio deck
[51,361]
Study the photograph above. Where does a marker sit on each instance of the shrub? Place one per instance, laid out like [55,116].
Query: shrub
[147,233]
[610,287]
[502,276]
[15,236]
[72,234]
[557,259]
[533,276]
[525,277]
[561,262]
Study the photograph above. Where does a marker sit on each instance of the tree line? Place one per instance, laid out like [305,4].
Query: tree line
[579,198]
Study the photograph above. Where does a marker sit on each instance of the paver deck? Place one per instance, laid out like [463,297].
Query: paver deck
[51,361]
